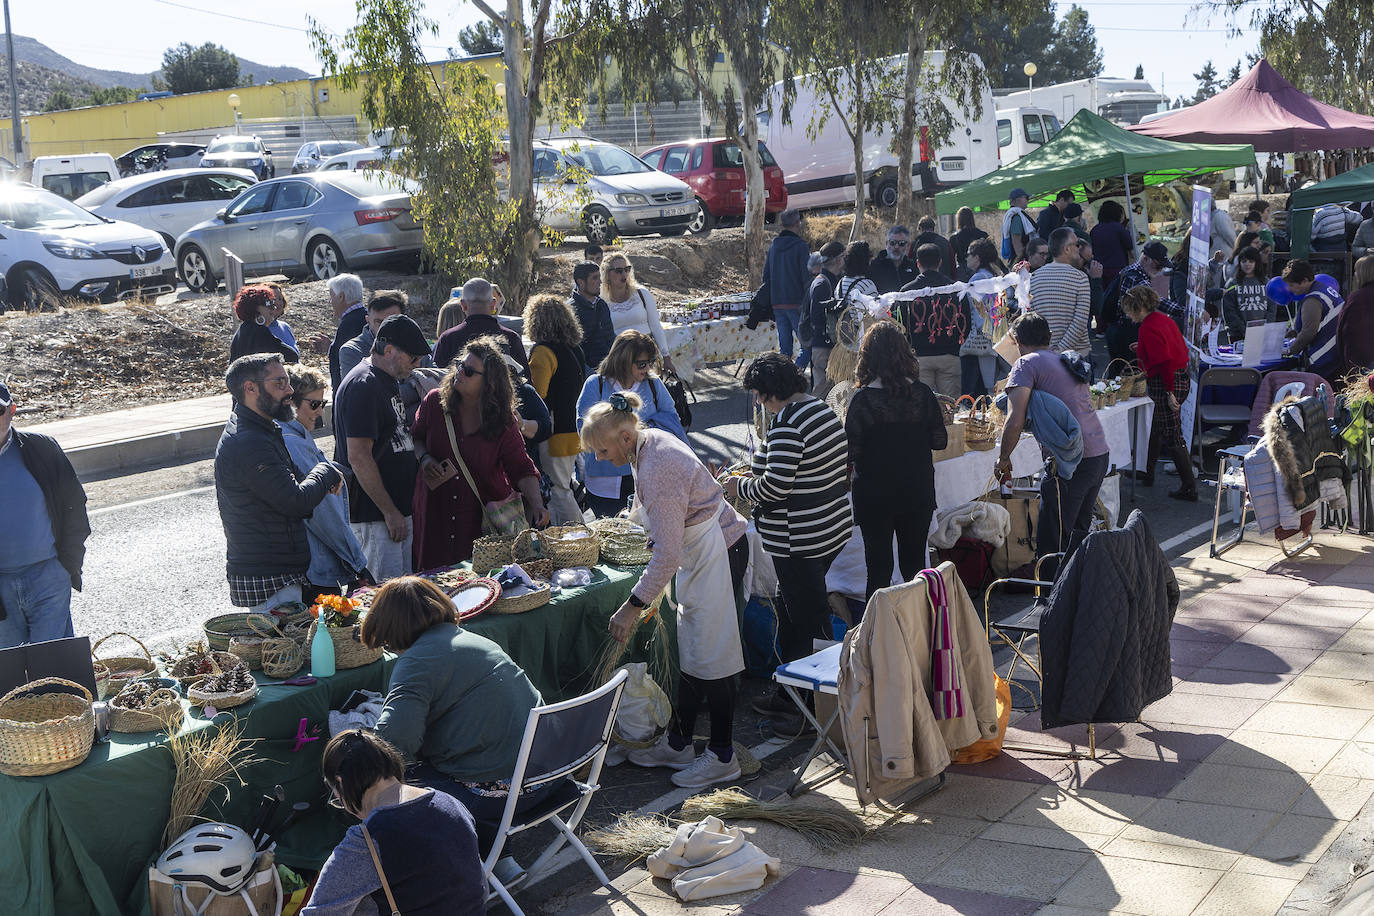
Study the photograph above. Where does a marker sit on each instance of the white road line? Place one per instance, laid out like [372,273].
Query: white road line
[152,499]
[1185,536]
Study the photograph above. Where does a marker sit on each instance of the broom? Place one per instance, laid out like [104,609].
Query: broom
[632,837]
[205,759]
[828,830]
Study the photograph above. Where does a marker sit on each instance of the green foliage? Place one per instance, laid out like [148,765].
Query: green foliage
[59,100]
[1140,71]
[480,38]
[453,128]
[189,69]
[1234,74]
[113,95]
[1062,51]
[1207,85]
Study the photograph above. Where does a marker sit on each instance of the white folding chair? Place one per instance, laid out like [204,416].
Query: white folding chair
[560,739]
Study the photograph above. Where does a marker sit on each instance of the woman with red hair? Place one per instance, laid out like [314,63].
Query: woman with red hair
[259,309]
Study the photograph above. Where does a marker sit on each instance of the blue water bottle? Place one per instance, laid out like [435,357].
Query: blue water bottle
[322,652]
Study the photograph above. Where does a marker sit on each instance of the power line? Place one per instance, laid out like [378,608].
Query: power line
[251,21]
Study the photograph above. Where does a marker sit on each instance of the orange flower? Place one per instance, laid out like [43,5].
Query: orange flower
[315,611]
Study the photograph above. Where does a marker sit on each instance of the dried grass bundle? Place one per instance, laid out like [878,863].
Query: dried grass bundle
[205,760]
[825,829]
[659,658]
[632,837]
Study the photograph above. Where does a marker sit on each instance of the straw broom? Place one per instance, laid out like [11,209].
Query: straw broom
[827,830]
[205,759]
[632,837]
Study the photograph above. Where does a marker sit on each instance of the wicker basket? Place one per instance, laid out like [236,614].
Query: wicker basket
[185,670]
[566,551]
[219,630]
[626,548]
[44,733]
[102,679]
[349,651]
[142,665]
[519,604]
[200,697]
[282,656]
[980,429]
[1130,377]
[741,505]
[1109,399]
[491,551]
[164,712]
[528,552]
[248,649]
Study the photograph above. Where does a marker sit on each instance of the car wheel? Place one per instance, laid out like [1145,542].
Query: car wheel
[598,225]
[885,193]
[324,259]
[195,271]
[703,222]
[37,291]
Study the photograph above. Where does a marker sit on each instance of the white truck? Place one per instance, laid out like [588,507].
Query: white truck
[1023,130]
[1120,101]
[820,172]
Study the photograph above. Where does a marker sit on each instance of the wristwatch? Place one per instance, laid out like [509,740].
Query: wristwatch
[637,602]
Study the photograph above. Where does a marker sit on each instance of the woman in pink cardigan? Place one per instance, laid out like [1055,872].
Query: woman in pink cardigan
[697,537]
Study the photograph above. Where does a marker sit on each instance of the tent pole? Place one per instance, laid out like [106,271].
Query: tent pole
[1130,212]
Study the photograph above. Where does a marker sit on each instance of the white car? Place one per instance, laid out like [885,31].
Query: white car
[51,249]
[169,202]
[369,157]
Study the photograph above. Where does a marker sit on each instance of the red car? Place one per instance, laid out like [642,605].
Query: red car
[715,170]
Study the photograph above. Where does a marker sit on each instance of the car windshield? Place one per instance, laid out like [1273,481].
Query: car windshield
[605,159]
[234,145]
[333,148]
[101,194]
[28,209]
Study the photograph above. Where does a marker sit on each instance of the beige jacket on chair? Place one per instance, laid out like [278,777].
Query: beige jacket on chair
[884,683]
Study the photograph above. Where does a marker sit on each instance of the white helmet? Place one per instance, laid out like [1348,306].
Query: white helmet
[219,856]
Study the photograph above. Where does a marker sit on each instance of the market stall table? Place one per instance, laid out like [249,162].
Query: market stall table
[696,344]
[81,841]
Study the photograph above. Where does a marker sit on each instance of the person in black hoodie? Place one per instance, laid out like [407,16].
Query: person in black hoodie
[786,277]
[818,297]
[893,268]
[926,235]
[593,314]
[935,325]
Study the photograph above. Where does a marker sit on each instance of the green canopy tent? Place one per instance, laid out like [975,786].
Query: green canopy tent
[1356,184]
[1095,158]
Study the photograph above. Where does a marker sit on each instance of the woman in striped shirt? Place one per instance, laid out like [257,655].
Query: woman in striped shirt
[802,501]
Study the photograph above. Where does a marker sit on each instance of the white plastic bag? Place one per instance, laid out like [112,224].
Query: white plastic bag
[644,710]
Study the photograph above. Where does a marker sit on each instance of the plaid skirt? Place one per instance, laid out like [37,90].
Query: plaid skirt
[1166,422]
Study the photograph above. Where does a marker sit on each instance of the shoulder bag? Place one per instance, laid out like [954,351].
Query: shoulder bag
[504,517]
[678,390]
[377,861]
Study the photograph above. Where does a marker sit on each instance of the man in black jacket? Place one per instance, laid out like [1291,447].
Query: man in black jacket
[262,505]
[893,268]
[593,314]
[43,537]
[346,298]
[818,297]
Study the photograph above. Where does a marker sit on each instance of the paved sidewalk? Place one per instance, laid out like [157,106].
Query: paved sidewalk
[176,430]
[1222,800]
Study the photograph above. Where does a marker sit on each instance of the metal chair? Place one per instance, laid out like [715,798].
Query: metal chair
[1231,482]
[1232,415]
[560,739]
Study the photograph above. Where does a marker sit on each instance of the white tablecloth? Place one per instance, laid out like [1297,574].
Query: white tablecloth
[699,343]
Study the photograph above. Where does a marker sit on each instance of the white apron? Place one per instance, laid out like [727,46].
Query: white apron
[708,644]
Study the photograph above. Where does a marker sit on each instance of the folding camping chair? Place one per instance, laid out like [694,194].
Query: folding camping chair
[560,739]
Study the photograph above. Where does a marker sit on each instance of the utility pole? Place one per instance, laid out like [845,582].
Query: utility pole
[14,93]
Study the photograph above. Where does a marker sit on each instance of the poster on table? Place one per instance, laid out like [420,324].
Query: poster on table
[1195,328]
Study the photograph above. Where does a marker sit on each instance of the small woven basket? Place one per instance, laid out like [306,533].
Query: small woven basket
[44,733]
[626,548]
[163,713]
[491,551]
[349,651]
[980,429]
[220,630]
[565,551]
[248,649]
[120,665]
[102,679]
[187,671]
[200,697]
[741,505]
[282,656]
[528,551]
[519,604]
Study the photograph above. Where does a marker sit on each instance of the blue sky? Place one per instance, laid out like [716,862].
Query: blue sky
[1160,35]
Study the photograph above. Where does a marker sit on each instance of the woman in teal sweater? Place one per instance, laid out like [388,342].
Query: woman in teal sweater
[457,705]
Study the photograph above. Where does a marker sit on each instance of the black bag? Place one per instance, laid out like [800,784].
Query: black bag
[760,308]
[679,391]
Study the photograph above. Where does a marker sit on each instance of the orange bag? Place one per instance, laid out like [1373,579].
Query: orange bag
[989,748]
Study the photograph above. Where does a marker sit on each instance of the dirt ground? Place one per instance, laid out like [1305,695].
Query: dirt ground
[94,358]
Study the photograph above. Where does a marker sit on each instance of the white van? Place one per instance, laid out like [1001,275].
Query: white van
[820,172]
[1023,130]
[73,176]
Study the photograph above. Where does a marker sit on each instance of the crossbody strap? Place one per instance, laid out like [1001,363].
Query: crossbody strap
[463,466]
[376,860]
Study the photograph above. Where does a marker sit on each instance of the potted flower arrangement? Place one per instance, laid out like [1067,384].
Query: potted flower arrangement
[1098,392]
[340,617]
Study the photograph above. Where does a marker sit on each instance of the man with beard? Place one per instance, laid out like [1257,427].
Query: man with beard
[262,503]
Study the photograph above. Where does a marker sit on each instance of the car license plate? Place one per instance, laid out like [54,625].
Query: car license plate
[144,272]
[952,165]
[681,210]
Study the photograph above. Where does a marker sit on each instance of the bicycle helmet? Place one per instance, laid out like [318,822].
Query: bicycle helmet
[218,856]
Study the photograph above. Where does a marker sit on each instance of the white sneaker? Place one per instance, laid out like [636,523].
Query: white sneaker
[707,770]
[662,754]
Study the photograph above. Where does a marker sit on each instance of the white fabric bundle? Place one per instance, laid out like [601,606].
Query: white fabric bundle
[710,859]
[990,522]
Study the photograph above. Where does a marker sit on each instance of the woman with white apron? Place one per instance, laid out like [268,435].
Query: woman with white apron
[690,525]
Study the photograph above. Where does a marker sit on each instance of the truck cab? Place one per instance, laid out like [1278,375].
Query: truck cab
[1023,130]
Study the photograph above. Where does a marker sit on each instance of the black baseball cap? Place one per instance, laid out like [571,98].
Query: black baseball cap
[402,331]
[1156,252]
[831,250]
[585,269]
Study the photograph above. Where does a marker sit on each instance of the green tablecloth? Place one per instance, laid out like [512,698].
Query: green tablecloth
[81,841]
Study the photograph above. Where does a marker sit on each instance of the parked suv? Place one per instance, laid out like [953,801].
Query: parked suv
[715,171]
[236,152]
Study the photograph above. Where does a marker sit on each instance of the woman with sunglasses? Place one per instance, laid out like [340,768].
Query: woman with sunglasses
[336,557]
[629,366]
[259,309]
[470,419]
[632,306]
[365,777]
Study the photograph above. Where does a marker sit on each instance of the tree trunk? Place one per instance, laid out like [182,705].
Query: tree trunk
[906,131]
[516,270]
[856,229]
[756,194]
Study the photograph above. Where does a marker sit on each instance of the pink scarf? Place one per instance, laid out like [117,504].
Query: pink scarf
[948,699]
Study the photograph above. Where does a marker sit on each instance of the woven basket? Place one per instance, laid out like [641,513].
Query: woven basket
[219,630]
[163,713]
[528,552]
[185,669]
[44,733]
[491,551]
[1097,400]
[1109,399]
[626,548]
[349,652]
[1141,388]
[248,649]
[519,604]
[282,656]
[102,679]
[200,697]
[143,665]
[565,551]
[980,429]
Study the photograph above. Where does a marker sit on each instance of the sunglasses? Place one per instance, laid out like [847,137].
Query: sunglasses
[334,801]
[643,363]
[317,404]
[469,371]
[894,243]
[618,270]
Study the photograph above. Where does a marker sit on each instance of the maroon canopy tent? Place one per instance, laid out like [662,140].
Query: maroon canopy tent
[1268,112]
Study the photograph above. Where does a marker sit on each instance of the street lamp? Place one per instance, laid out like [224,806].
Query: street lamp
[1029,70]
[235,101]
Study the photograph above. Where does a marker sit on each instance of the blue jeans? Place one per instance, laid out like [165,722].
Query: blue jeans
[788,322]
[38,604]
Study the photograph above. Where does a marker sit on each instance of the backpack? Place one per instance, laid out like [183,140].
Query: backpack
[679,390]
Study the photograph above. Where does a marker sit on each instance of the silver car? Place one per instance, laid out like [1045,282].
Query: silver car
[316,224]
[312,154]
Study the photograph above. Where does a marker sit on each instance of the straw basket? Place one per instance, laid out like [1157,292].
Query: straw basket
[188,672]
[626,548]
[564,549]
[529,553]
[220,630]
[44,733]
[491,551]
[102,679]
[980,429]
[124,668]
[349,651]
[1132,379]
[519,604]
[1109,399]
[282,656]
[247,649]
[163,712]
[200,697]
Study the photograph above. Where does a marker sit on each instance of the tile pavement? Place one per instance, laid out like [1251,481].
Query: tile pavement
[1219,801]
